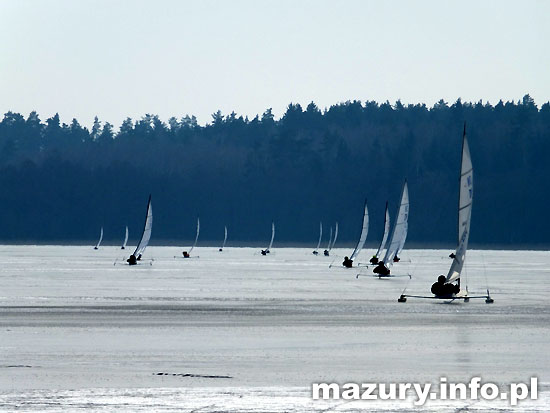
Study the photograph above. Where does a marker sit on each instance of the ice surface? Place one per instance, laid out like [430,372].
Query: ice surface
[78,332]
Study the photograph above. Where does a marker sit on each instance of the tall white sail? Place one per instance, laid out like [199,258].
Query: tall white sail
[224,237]
[465,198]
[197,235]
[403,238]
[320,236]
[147,229]
[272,236]
[400,228]
[329,240]
[386,232]
[125,239]
[364,232]
[100,238]
[335,237]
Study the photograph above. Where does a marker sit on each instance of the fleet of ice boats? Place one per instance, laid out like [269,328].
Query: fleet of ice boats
[447,287]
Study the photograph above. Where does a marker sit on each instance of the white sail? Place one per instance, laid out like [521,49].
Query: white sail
[100,238]
[329,240]
[147,229]
[403,237]
[272,236]
[364,232]
[197,235]
[400,227]
[465,198]
[335,237]
[224,237]
[386,232]
[320,236]
[125,239]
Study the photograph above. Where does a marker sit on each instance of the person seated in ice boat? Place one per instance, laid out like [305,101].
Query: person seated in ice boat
[315,252]
[396,259]
[325,252]
[347,262]
[139,257]
[185,254]
[441,288]
[381,269]
[374,260]
[452,255]
[264,252]
[132,260]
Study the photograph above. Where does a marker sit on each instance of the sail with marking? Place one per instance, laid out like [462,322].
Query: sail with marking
[320,237]
[125,239]
[197,235]
[400,227]
[272,236]
[147,229]
[465,198]
[224,237]
[403,238]
[100,238]
[335,237]
[386,232]
[363,236]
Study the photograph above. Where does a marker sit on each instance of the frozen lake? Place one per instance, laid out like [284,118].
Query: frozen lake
[239,331]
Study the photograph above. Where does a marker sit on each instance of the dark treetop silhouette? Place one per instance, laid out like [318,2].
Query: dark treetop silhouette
[61,182]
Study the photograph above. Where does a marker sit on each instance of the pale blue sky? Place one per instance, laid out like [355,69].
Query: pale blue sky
[116,59]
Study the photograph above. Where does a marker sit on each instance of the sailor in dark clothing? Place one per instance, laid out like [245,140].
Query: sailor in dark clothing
[374,259]
[264,252]
[396,259]
[315,252]
[132,260]
[381,269]
[326,253]
[347,262]
[185,254]
[441,288]
[452,255]
[139,257]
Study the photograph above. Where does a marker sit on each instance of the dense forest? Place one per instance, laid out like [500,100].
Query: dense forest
[62,182]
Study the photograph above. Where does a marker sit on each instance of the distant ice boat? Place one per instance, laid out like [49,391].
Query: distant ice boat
[145,236]
[465,199]
[348,262]
[224,238]
[375,258]
[398,237]
[187,254]
[331,242]
[316,250]
[268,249]
[125,239]
[100,239]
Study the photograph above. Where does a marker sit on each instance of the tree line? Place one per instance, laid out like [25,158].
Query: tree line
[61,182]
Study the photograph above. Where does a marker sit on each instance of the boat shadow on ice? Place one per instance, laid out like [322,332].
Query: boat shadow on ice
[201,376]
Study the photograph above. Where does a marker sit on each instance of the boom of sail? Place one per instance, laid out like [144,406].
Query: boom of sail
[400,228]
[147,229]
[364,232]
[465,198]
